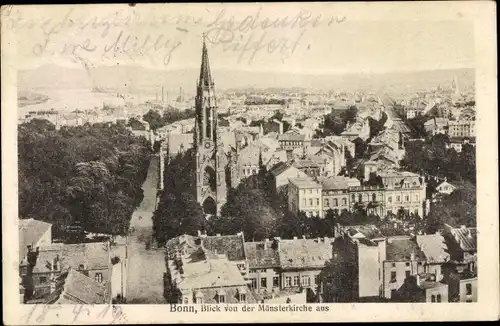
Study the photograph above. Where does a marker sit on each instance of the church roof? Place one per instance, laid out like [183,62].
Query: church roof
[205,75]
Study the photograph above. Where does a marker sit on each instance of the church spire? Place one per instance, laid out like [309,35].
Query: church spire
[205,75]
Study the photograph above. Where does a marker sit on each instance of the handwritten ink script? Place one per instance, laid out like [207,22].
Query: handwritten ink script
[132,35]
[39,313]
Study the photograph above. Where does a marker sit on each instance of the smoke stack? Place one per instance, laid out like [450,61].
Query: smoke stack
[162,98]
[52,285]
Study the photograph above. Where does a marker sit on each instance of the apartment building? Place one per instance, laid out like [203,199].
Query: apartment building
[462,128]
[287,267]
[335,193]
[304,194]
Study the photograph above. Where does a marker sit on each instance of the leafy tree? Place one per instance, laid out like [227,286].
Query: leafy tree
[376,126]
[88,175]
[416,125]
[178,211]
[458,208]
[278,115]
[154,119]
[338,276]
[135,124]
[240,213]
[350,114]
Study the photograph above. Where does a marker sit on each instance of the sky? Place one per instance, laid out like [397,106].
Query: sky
[317,39]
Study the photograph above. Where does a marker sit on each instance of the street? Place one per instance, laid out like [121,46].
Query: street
[145,267]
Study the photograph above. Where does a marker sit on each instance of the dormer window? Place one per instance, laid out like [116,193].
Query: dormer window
[221,296]
[242,294]
[198,297]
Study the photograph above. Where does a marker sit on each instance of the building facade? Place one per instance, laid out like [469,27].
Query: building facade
[462,128]
[304,195]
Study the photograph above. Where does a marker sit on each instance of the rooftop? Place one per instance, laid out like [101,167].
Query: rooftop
[466,238]
[230,245]
[211,272]
[338,182]
[279,168]
[73,287]
[91,255]
[302,164]
[30,232]
[177,141]
[302,183]
[305,253]
[367,231]
[261,254]
[291,137]
[434,247]
[401,249]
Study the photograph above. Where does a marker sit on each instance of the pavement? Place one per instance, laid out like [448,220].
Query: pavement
[145,267]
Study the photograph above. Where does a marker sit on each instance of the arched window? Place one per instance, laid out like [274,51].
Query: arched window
[439,298]
[360,198]
[353,198]
[344,201]
[209,178]
[374,197]
[433,298]
[335,202]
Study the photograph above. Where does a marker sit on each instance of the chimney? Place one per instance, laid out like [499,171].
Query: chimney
[199,233]
[277,241]
[294,238]
[52,285]
[218,234]
[266,244]
[319,239]
[304,237]
[325,239]
[463,227]
[162,98]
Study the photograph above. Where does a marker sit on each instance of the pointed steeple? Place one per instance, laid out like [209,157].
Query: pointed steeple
[205,75]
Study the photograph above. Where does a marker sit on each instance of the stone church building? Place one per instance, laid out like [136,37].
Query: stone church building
[216,170]
[217,153]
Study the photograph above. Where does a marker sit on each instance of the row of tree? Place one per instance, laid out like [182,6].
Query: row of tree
[88,175]
[157,120]
[434,157]
[178,212]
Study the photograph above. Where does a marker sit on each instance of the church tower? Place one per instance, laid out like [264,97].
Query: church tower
[211,161]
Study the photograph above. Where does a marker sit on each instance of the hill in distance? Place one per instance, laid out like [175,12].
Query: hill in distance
[138,78]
